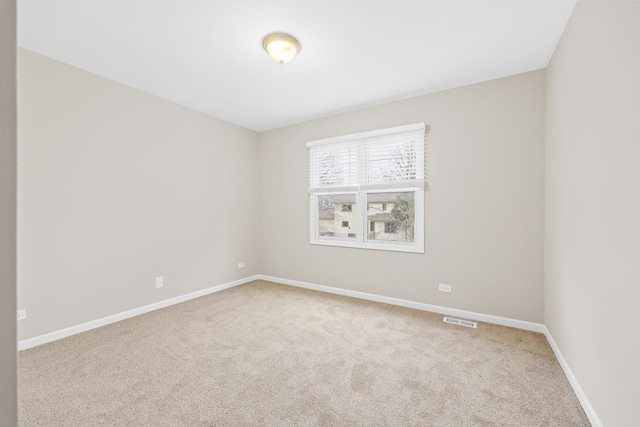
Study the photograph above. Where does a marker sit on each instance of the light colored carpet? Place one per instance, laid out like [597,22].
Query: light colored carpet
[268,354]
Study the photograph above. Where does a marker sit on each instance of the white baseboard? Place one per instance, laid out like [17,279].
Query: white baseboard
[488,318]
[73,330]
[582,398]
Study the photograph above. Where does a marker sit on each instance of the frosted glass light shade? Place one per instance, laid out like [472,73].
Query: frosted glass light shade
[282,48]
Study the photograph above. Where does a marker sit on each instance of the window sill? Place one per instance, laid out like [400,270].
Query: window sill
[391,246]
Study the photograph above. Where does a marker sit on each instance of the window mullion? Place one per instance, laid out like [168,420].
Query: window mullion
[362,196]
[361,215]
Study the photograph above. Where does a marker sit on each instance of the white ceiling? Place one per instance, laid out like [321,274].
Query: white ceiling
[207,54]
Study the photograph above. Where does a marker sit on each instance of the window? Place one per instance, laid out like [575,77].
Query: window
[367,190]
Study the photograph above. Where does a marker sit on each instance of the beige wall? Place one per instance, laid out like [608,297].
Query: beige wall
[8,384]
[484,210]
[116,187]
[592,235]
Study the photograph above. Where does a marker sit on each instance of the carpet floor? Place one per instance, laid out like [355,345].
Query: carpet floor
[268,354]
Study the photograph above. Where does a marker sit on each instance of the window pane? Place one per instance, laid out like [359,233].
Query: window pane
[334,166]
[395,159]
[391,216]
[334,219]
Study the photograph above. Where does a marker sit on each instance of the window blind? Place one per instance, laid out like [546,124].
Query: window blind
[334,166]
[386,158]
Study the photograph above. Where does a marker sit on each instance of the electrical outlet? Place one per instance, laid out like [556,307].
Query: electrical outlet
[444,288]
[159,282]
[241,264]
[22,314]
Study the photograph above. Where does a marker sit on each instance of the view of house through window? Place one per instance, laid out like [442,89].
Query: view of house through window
[333,219]
[391,216]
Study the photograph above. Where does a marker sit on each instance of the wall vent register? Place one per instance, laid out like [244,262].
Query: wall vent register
[454,321]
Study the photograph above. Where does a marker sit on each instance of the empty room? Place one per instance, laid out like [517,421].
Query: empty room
[349,213]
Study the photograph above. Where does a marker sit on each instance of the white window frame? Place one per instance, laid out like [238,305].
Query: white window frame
[361,240]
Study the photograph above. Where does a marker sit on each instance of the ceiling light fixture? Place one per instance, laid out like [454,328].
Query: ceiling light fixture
[282,48]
